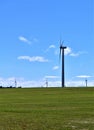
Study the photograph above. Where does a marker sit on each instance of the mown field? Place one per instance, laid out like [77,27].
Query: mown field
[47,109]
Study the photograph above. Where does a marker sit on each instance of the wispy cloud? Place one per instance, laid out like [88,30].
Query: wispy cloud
[35,40]
[33,59]
[50,47]
[55,67]
[24,39]
[74,54]
[68,51]
[51,77]
[83,76]
[78,53]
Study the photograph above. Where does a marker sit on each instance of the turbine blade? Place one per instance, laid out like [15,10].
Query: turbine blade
[62,42]
[60,53]
[61,45]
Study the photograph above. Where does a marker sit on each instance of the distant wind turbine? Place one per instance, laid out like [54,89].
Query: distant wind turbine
[86,82]
[15,83]
[61,55]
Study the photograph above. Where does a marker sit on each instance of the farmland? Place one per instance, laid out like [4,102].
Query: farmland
[47,108]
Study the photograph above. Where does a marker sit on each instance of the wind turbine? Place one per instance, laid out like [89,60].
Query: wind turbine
[86,82]
[15,83]
[62,48]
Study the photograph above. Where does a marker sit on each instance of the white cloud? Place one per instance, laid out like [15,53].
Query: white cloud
[83,76]
[75,83]
[74,54]
[27,83]
[78,53]
[79,83]
[33,59]
[23,39]
[38,83]
[6,82]
[54,83]
[51,77]
[68,51]
[52,46]
[55,67]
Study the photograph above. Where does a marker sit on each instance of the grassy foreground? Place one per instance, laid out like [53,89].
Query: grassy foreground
[47,109]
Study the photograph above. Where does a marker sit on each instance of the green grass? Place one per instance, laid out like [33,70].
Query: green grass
[47,109]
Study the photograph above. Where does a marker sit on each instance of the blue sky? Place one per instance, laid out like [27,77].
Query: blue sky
[30,33]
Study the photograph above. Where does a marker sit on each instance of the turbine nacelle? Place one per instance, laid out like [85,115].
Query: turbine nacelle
[62,47]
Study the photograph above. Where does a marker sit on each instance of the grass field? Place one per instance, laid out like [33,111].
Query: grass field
[47,109]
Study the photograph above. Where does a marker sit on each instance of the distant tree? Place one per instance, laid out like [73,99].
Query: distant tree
[1,86]
[19,87]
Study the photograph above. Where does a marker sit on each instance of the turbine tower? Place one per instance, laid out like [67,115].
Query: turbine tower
[62,48]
